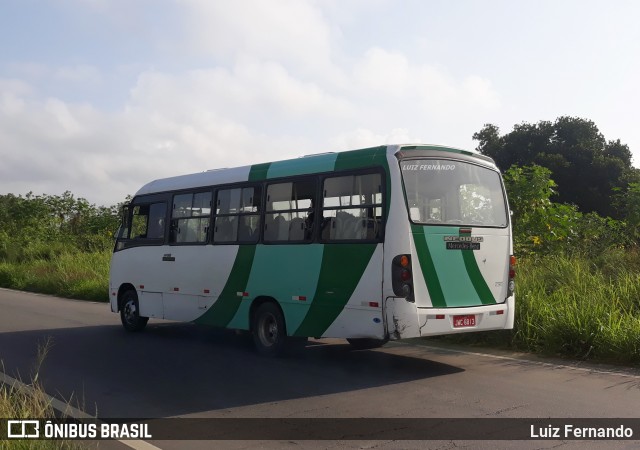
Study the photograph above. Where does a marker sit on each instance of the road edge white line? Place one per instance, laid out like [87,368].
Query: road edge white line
[70,411]
[525,360]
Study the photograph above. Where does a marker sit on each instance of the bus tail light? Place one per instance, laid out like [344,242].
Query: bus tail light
[402,277]
[512,274]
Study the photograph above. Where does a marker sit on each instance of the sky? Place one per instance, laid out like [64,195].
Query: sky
[99,97]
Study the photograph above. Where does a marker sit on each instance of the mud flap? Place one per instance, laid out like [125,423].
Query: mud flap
[401,318]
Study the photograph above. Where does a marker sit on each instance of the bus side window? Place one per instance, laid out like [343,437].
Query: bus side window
[190,218]
[237,215]
[289,211]
[147,222]
[352,208]
[139,222]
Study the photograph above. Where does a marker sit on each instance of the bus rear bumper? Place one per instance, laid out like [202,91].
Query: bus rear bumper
[435,321]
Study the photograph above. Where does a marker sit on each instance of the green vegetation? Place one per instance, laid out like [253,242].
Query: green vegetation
[69,274]
[575,307]
[577,241]
[56,245]
[589,169]
[580,307]
[578,275]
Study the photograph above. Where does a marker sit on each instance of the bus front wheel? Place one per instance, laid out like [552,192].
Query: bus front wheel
[130,312]
[269,332]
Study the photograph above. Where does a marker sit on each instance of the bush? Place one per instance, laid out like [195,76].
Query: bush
[541,226]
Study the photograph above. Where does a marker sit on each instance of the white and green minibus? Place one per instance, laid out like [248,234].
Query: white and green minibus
[390,242]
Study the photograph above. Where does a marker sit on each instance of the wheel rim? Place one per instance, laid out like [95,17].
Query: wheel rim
[130,312]
[268,330]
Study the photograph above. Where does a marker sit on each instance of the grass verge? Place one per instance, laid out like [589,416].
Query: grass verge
[574,307]
[579,308]
[69,274]
[18,403]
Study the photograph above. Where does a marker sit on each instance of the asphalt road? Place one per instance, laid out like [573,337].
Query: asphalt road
[182,370]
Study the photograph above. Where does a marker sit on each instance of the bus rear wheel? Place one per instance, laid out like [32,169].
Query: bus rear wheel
[269,331]
[366,343]
[130,312]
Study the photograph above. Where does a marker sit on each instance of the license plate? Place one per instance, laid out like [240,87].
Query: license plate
[464,321]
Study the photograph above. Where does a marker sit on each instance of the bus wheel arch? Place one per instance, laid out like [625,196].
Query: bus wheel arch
[123,288]
[268,326]
[130,310]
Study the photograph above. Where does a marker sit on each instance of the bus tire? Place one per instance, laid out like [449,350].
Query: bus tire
[268,329]
[366,343]
[130,312]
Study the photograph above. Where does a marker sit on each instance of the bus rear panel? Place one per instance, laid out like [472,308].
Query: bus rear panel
[454,271]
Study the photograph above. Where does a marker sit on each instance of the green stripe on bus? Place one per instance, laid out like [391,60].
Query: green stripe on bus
[452,273]
[478,281]
[283,272]
[368,157]
[223,310]
[428,267]
[302,166]
[259,172]
[342,268]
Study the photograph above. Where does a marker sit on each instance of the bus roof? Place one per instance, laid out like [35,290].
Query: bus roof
[307,164]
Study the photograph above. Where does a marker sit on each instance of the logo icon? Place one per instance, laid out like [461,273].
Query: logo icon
[23,429]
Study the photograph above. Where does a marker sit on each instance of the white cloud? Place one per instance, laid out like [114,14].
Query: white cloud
[253,111]
[292,31]
[12,93]
[248,89]
[392,74]
[49,146]
[271,88]
[63,121]
[479,91]
[383,72]
[170,125]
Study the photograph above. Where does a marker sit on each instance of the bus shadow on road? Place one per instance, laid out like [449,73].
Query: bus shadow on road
[174,369]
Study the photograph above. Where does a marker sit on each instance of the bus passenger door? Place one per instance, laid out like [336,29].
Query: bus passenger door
[185,261]
[188,289]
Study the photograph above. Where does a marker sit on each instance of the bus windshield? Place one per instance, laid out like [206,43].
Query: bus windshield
[448,192]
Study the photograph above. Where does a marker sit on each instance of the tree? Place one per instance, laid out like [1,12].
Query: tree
[588,170]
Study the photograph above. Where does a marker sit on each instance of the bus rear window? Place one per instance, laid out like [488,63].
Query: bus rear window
[446,192]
